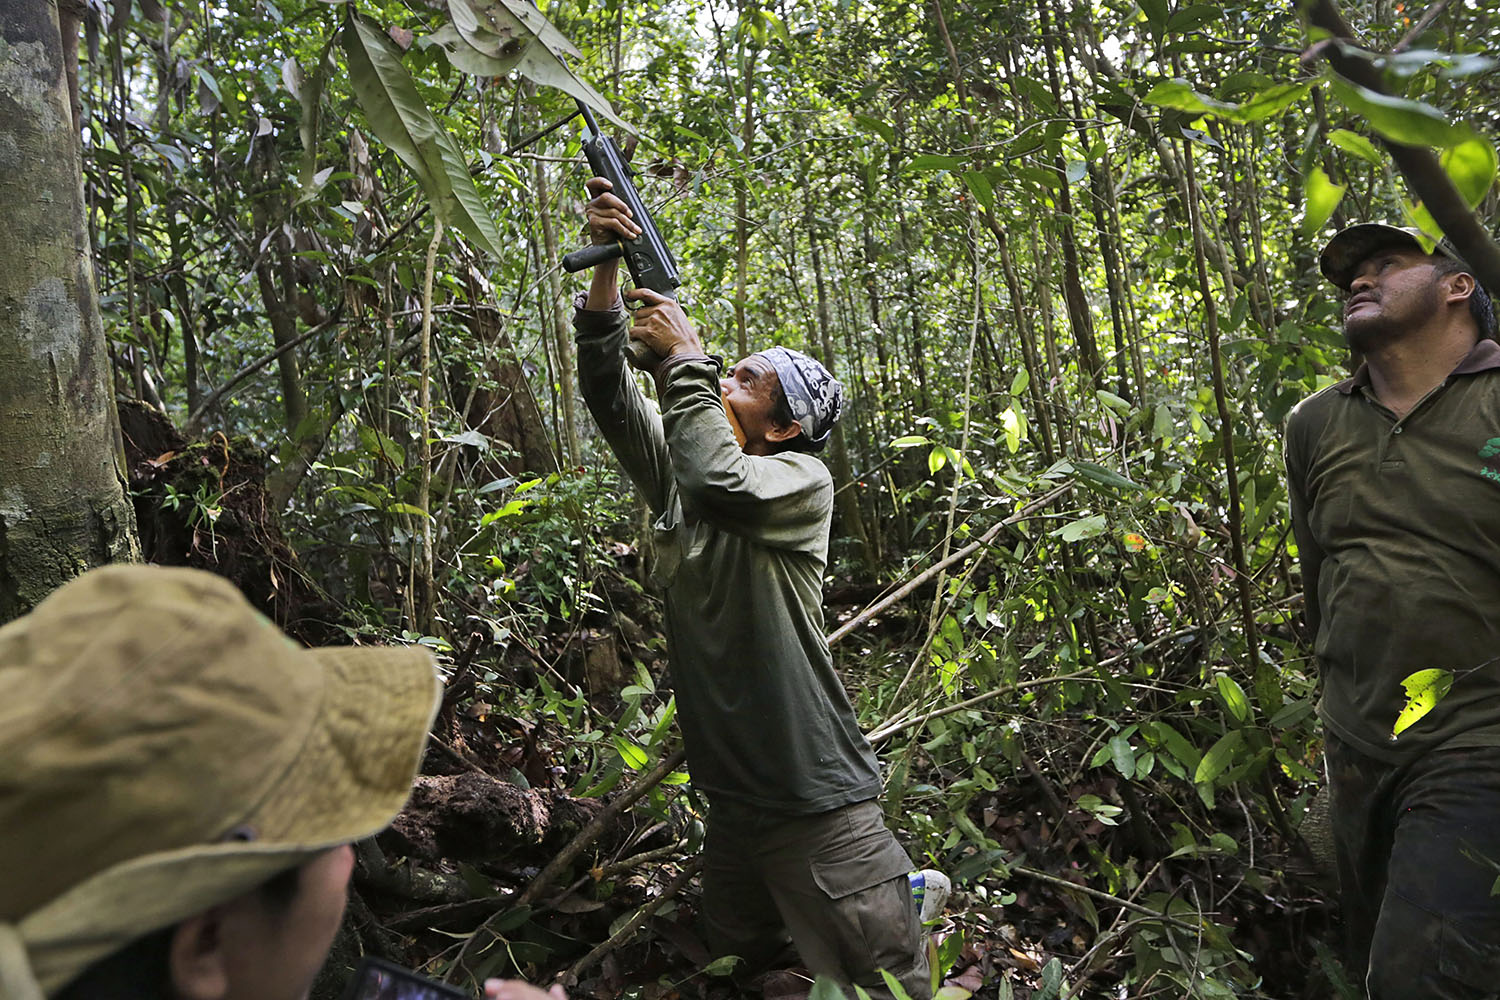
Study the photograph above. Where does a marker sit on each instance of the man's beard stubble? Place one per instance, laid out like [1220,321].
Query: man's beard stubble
[1364,334]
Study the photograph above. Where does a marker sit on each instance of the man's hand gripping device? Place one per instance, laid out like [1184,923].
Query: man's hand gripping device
[651,263]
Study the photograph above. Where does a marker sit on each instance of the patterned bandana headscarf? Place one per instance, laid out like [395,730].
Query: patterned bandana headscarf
[815,396]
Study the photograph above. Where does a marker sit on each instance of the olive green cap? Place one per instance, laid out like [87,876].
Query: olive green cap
[1349,247]
[166,748]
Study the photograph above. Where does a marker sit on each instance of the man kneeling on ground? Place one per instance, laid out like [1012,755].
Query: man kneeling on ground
[796,842]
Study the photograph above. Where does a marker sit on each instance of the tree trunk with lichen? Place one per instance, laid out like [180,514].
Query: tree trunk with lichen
[63,507]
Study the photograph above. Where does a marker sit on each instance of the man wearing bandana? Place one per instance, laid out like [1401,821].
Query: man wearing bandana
[796,842]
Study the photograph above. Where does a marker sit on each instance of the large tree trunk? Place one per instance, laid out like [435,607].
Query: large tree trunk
[63,507]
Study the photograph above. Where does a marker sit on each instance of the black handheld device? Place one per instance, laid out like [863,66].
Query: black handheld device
[377,979]
[647,256]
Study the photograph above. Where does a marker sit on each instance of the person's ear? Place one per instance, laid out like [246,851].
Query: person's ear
[777,433]
[1460,286]
[197,963]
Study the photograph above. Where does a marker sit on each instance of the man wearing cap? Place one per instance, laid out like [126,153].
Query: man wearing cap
[1394,477]
[179,786]
[796,841]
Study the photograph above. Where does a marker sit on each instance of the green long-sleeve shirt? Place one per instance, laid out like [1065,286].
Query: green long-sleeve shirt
[1398,531]
[742,542]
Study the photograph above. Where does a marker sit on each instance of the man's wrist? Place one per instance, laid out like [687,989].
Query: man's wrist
[604,288]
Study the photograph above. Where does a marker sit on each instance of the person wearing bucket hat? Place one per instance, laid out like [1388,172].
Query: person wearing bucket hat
[1394,483]
[179,784]
[796,843]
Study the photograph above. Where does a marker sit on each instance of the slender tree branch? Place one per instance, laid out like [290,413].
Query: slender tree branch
[1423,23]
[968,550]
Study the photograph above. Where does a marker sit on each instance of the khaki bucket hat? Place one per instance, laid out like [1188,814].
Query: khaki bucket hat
[165,748]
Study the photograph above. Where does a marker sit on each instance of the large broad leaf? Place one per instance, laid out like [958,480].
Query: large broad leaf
[1471,164]
[1157,12]
[513,23]
[514,29]
[1353,142]
[400,117]
[1424,689]
[936,161]
[1179,94]
[464,57]
[1323,196]
[1271,101]
[1398,119]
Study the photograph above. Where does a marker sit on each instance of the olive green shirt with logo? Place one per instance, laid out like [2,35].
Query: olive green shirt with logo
[1398,528]
[741,542]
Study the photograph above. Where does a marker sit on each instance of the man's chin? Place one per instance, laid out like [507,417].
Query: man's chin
[1363,336]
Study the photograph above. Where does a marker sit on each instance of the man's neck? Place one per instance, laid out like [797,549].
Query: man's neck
[1405,370]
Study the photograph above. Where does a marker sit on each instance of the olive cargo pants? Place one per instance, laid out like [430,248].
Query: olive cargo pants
[835,881]
[1418,848]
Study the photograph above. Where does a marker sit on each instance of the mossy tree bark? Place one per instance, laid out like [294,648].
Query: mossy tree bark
[63,507]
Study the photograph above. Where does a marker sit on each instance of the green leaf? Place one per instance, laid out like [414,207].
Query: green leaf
[1052,980]
[635,758]
[1323,196]
[933,161]
[1270,102]
[471,438]
[401,119]
[910,441]
[1157,12]
[1357,145]
[1177,745]
[1123,754]
[406,508]
[979,185]
[1120,405]
[1471,164]
[464,57]
[723,965]
[507,29]
[1219,757]
[1020,381]
[1399,119]
[514,23]
[388,96]
[1086,527]
[479,887]
[1104,477]
[1234,698]
[1010,423]
[1179,94]
[1424,689]
[892,983]
[877,126]
[936,459]
[1193,17]
[1417,215]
